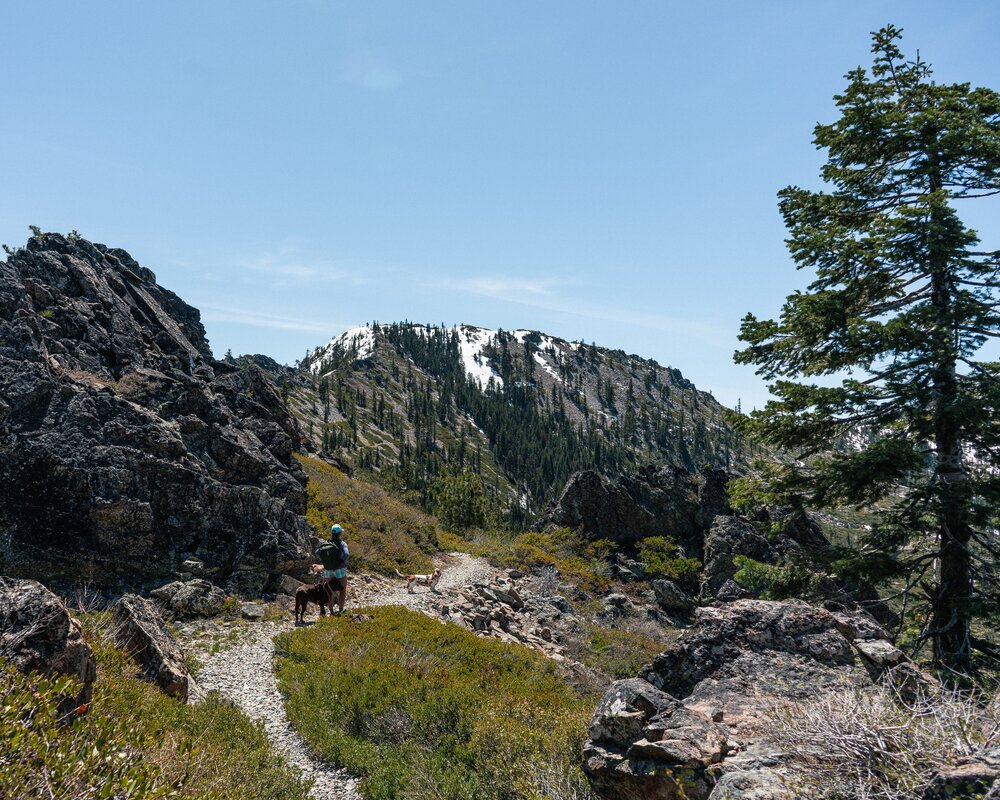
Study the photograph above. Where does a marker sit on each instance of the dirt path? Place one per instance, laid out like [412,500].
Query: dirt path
[245,673]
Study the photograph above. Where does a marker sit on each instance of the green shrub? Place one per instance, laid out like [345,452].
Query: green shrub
[775,581]
[45,753]
[616,653]
[231,607]
[420,709]
[663,560]
[209,750]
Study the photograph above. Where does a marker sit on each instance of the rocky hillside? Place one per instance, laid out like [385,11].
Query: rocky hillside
[522,409]
[125,447]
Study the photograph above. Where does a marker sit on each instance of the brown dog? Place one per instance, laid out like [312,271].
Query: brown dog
[320,593]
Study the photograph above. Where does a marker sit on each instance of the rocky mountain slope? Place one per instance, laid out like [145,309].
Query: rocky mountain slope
[125,447]
[523,409]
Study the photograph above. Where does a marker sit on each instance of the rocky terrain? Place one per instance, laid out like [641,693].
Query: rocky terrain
[125,447]
[693,511]
[653,501]
[697,722]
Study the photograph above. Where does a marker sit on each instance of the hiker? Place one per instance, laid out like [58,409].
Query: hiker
[333,554]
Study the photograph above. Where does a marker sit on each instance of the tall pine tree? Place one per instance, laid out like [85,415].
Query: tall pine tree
[902,303]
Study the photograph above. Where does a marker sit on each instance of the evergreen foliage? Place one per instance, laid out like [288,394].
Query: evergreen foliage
[663,559]
[408,416]
[902,301]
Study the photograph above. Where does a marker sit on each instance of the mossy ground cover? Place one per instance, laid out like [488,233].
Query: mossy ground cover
[132,741]
[382,532]
[425,710]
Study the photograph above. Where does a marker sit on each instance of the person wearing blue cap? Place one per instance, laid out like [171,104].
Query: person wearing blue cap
[333,555]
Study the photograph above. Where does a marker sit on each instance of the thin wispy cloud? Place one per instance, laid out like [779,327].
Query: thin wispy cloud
[259,319]
[284,267]
[551,294]
[371,71]
[507,287]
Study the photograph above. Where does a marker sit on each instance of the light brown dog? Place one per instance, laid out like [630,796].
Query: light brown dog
[424,580]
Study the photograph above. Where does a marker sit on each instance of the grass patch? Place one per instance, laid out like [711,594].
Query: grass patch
[384,533]
[420,709]
[616,653]
[579,562]
[132,741]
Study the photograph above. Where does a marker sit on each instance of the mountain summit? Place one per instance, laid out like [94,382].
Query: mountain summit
[521,408]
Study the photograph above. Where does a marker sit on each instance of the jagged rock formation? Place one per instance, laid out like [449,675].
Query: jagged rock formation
[693,510]
[125,447]
[654,501]
[38,634]
[144,634]
[694,723]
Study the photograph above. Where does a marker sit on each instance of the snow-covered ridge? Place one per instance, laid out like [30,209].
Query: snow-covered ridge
[359,343]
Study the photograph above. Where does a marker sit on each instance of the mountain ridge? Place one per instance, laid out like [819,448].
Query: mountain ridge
[410,402]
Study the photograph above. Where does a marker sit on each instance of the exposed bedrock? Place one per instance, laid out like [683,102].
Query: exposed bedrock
[125,447]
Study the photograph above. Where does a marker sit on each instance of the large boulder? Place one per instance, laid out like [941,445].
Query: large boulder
[38,634]
[194,598]
[693,724]
[730,537]
[655,501]
[125,448]
[142,631]
[671,597]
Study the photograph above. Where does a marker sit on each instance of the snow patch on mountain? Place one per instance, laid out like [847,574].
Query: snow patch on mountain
[540,360]
[471,341]
[359,341]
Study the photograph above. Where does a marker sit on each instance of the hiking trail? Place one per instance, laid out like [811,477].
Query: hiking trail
[244,673]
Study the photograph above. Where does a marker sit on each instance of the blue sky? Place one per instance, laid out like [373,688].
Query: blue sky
[602,171]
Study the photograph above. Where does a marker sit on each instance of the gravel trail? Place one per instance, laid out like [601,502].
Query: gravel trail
[244,673]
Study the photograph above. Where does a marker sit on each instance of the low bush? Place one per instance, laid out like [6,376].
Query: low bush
[775,581]
[616,653]
[579,562]
[425,710]
[131,741]
[46,753]
[663,559]
[383,533]
[881,743]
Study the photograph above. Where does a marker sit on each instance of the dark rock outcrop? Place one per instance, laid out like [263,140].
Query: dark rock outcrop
[38,634]
[125,448]
[694,723]
[144,634]
[730,537]
[671,597]
[664,501]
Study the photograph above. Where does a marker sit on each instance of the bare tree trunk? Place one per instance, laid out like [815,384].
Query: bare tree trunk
[952,602]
